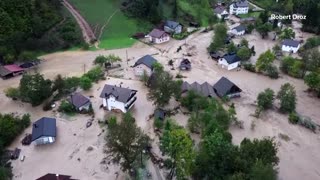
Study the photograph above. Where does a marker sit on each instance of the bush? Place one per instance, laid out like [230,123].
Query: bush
[158,123]
[272,72]
[179,76]
[85,83]
[47,106]
[95,74]
[13,93]
[293,118]
[66,107]
[249,67]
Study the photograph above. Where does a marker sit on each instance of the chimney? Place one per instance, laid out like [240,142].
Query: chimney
[35,125]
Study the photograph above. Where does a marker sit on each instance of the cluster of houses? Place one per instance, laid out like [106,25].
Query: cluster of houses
[236,7]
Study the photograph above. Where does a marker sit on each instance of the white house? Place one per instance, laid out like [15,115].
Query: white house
[144,65]
[221,12]
[79,102]
[172,27]
[118,98]
[44,131]
[229,61]
[290,45]
[239,7]
[158,36]
[239,30]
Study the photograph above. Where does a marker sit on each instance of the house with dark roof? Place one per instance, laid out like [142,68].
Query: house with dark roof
[204,89]
[185,65]
[239,7]
[51,176]
[144,65]
[172,27]
[158,36]
[229,61]
[238,30]
[44,131]
[11,70]
[225,88]
[221,12]
[118,98]
[79,102]
[290,45]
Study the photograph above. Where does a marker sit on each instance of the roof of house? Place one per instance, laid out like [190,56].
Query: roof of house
[241,3]
[204,89]
[247,19]
[219,9]
[217,54]
[146,60]
[121,94]
[44,127]
[78,100]
[185,63]
[240,28]
[231,58]
[171,24]
[290,42]
[51,176]
[224,86]
[159,114]
[4,71]
[157,33]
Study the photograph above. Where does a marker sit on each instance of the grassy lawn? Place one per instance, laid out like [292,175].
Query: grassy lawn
[250,14]
[119,29]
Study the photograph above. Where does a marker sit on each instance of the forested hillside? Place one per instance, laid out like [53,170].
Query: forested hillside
[182,10]
[310,8]
[34,25]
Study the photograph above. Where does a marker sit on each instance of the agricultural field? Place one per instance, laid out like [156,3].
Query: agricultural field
[250,14]
[111,27]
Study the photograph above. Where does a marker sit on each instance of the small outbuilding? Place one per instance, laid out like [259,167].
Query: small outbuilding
[290,45]
[11,70]
[79,102]
[159,114]
[172,27]
[158,36]
[229,61]
[44,131]
[204,89]
[185,65]
[225,88]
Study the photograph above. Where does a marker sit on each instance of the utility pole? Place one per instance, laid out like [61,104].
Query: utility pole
[84,68]
[127,56]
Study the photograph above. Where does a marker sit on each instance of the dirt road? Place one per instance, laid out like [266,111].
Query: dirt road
[87,32]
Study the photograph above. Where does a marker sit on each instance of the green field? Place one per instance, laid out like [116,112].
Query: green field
[250,14]
[117,34]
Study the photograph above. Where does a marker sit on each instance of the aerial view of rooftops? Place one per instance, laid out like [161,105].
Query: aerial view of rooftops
[159,89]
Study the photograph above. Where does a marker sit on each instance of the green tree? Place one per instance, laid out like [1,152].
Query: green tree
[85,83]
[313,81]
[112,59]
[177,144]
[101,60]
[163,87]
[244,53]
[13,93]
[287,97]
[263,29]
[66,107]
[287,33]
[58,84]
[232,48]
[220,35]
[95,74]
[265,99]
[34,89]
[265,60]
[244,42]
[263,172]
[272,71]
[126,142]
[216,158]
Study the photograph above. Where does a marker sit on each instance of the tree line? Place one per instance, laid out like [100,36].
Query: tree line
[29,26]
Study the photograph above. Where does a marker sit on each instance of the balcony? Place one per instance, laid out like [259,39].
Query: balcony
[130,103]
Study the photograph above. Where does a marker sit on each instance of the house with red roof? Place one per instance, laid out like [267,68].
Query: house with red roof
[11,70]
